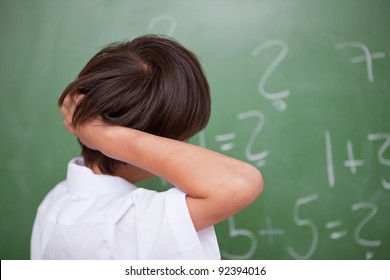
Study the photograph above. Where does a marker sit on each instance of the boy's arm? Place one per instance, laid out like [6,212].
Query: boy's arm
[217,186]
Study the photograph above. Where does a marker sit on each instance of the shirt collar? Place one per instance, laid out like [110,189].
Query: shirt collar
[83,182]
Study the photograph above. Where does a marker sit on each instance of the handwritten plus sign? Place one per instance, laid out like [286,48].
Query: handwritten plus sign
[270,231]
[352,163]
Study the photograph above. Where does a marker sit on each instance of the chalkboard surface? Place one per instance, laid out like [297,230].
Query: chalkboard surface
[300,89]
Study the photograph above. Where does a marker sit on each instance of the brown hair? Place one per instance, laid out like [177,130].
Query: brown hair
[151,83]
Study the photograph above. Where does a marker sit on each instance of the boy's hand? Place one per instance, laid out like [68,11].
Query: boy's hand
[87,133]
[67,110]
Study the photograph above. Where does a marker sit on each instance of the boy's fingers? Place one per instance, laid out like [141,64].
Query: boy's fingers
[64,110]
[68,121]
[69,127]
[67,101]
[69,105]
[67,109]
[70,102]
[66,113]
[77,98]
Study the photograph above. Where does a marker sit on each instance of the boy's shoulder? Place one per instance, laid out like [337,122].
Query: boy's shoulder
[53,196]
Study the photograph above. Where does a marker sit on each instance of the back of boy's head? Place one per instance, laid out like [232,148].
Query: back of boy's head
[151,83]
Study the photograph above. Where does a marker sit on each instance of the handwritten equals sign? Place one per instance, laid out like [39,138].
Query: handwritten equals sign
[228,139]
[336,234]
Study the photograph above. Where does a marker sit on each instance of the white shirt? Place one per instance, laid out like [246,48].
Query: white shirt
[90,216]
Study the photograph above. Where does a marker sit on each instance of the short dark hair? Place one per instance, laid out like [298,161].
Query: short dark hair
[151,83]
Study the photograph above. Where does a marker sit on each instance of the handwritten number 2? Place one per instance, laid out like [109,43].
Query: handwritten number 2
[358,238]
[260,157]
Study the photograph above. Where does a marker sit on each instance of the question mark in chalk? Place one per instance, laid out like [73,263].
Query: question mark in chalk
[275,97]
[171,20]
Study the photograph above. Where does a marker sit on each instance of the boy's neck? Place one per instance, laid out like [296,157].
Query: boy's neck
[128,172]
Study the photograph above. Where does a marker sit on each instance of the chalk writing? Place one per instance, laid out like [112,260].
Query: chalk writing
[226,141]
[351,162]
[224,138]
[367,56]
[374,209]
[172,24]
[336,234]
[336,230]
[275,97]
[369,255]
[384,147]
[270,231]
[258,158]
[329,160]
[202,138]
[233,233]
[304,223]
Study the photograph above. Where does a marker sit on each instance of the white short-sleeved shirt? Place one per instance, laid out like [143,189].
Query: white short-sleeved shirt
[90,216]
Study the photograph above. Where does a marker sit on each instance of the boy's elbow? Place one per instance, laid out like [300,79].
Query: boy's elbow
[248,185]
[253,183]
[239,191]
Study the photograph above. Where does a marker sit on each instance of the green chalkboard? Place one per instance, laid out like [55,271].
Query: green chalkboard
[300,88]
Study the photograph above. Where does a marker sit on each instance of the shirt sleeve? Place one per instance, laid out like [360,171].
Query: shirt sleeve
[158,226]
[193,244]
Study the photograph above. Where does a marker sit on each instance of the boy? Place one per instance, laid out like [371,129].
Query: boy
[133,107]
